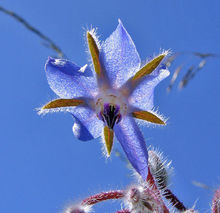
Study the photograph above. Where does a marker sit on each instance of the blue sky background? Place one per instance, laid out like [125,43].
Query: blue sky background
[42,166]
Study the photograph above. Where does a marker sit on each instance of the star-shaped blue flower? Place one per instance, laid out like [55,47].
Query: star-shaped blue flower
[105,100]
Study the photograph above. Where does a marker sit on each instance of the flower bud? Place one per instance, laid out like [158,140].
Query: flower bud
[143,200]
[160,168]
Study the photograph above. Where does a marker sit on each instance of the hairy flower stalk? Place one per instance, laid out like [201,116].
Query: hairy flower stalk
[152,182]
[106,101]
[144,196]
[86,205]
[168,194]
[139,198]
[160,170]
[94,199]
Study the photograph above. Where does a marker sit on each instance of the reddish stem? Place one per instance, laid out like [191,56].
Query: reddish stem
[117,194]
[174,200]
[151,181]
[167,194]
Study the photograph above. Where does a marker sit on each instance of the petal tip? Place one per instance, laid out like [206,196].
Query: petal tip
[92,35]
[48,62]
[88,34]
[163,73]
[50,59]
[119,21]
[80,131]
[166,52]
[121,26]
[108,154]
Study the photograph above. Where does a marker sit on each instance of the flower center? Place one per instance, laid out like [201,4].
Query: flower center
[110,110]
[110,115]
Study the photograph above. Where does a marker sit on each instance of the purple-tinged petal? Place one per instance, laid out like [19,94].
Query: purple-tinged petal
[88,120]
[68,80]
[133,144]
[143,95]
[119,57]
[80,131]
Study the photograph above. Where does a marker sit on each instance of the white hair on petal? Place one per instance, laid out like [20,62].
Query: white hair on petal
[166,53]
[42,111]
[83,68]
[76,128]
[93,32]
[59,62]
[150,124]
[156,112]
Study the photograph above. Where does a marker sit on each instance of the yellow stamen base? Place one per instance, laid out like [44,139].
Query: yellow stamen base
[148,116]
[63,103]
[108,137]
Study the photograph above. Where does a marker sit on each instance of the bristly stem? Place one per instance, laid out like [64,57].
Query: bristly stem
[168,195]
[174,200]
[150,179]
[117,194]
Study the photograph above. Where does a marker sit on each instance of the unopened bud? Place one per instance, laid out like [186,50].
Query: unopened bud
[143,200]
[134,195]
[160,168]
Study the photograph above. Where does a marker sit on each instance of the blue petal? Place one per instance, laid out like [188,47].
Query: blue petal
[80,131]
[132,141]
[119,57]
[86,123]
[68,81]
[142,97]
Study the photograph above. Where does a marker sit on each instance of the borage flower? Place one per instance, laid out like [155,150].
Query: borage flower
[105,101]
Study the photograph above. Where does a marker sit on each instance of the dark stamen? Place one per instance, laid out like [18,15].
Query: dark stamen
[111,115]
